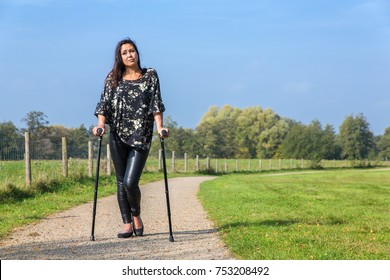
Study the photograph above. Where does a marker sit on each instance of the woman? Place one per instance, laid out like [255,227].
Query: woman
[130,104]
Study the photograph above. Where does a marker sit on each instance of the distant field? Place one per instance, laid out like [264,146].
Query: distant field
[312,215]
[13,172]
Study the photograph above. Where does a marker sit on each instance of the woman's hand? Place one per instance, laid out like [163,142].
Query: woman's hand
[158,118]
[101,122]
[161,134]
[95,130]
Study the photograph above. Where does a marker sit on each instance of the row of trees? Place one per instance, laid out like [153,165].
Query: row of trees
[46,139]
[254,132]
[225,132]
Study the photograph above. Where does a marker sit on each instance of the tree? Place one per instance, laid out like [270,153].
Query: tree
[249,127]
[78,142]
[172,144]
[8,131]
[35,121]
[225,128]
[216,132]
[384,145]
[294,143]
[181,140]
[329,147]
[355,138]
[41,145]
[9,142]
[310,142]
[270,140]
[249,133]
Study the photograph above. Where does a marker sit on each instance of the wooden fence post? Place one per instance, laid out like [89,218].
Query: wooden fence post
[261,165]
[226,165]
[216,165]
[64,158]
[173,161]
[207,163]
[90,158]
[27,158]
[109,171]
[185,162]
[236,165]
[197,163]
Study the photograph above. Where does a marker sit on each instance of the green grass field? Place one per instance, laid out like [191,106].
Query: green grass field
[318,215]
[329,214]
[13,172]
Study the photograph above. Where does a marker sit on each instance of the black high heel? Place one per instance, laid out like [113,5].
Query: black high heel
[127,234]
[138,231]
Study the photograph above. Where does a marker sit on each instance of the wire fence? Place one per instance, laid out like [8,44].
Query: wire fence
[40,149]
[47,161]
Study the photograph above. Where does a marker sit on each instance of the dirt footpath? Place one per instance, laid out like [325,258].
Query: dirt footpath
[66,235]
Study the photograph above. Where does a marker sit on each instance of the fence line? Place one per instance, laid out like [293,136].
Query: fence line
[154,163]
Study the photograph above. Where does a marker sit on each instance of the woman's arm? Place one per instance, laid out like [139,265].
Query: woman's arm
[101,124]
[158,118]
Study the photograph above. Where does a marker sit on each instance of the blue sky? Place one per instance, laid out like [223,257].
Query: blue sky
[304,59]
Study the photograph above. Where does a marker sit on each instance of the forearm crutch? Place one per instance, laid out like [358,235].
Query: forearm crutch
[165,133]
[99,131]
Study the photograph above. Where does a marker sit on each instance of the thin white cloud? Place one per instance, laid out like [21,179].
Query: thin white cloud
[237,88]
[376,11]
[372,7]
[301,87]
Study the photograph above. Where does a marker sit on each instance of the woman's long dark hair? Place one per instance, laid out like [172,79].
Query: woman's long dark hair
[117,70]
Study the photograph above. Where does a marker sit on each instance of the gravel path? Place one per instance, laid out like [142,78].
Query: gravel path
[65,236]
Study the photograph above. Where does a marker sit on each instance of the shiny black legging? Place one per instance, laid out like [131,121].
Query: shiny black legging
[129,163]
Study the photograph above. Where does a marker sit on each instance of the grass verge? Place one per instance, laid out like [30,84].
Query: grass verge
[324,215]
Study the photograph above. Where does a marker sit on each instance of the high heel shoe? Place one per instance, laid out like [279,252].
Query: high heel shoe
[138,231]
[126,234]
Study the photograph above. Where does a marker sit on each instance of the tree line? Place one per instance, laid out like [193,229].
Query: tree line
[254,132]
[46,139]
[224,132]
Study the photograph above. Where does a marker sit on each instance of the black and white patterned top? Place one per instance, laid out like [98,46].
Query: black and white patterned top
[129,108]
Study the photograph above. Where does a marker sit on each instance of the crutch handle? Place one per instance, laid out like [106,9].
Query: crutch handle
[99,131]
[164,133]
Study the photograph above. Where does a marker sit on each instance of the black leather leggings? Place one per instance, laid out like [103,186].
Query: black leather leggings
[129,163]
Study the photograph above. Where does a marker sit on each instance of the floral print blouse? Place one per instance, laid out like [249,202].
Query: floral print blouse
[129,108]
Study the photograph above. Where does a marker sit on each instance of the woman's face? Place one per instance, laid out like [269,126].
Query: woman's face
[129,55]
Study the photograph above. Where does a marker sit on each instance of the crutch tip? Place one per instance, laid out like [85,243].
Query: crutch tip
[171,239]
[92,238]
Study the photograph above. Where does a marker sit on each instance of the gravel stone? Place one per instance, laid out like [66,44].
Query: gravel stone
[66,235]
